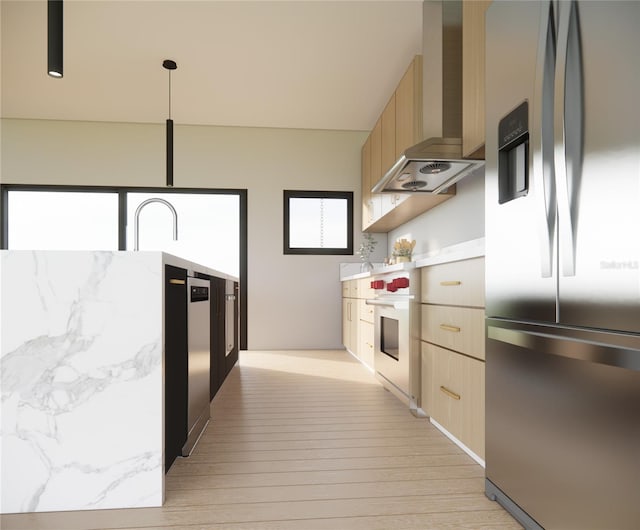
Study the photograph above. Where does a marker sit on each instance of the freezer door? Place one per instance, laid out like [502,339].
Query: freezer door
[597,132]
[520,215]
[563,424]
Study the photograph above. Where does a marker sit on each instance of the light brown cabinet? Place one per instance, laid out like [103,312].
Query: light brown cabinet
[456,328]
[473,77]
[357,319]
[399,127]
[376,152]
[365,327]
[365,344]
[456,394]
[453,349]
[456,283]
[350,315]
[388,136]
[408,104]
[367,207]
[346,323]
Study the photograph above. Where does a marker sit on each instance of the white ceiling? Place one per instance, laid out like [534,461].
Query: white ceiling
[329,64]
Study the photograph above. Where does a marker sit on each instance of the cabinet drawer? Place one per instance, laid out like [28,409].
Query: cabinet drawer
[456,395]
[355,289]
[365,311]
[426,370]
[365,349]
[456,328]
[364,288]
[346,289]
[349,289]
[456,283]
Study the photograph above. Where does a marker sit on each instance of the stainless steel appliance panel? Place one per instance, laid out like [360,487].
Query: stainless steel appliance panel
[394,369]
[562,366]
[229,316]
[520,242]
[563,428]
[599,191]
[199,360]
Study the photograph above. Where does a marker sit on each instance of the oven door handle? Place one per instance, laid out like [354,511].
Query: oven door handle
[396,304]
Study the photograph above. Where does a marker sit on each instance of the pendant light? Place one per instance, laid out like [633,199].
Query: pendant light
[169,65]
[54,38]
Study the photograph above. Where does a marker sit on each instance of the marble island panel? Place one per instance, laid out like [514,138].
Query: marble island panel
[81,379]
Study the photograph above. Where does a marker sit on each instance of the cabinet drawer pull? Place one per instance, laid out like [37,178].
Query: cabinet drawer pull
[174,281]
[454,329]
[448,392]
[451,282]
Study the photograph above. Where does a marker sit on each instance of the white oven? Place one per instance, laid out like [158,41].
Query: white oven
[396,335]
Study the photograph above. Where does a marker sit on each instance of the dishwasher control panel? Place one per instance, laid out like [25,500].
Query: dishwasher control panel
[199,294]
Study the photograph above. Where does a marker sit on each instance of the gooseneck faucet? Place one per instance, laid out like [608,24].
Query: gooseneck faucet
[136,222]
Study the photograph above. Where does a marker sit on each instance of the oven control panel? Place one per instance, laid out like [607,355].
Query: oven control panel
[391,284]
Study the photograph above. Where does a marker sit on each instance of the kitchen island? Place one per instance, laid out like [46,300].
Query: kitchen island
[82,378]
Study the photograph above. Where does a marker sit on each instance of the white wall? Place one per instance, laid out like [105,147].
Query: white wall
[293,301]
[454,221]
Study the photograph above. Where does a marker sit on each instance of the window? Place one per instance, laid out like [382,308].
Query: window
[208,227]
[318,222]
[70,220]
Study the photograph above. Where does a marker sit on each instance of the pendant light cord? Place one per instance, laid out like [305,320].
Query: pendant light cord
[169,94]
[169,65]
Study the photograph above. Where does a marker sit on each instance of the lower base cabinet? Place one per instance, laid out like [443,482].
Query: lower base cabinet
[224,331]
[349,324]
[218,361]
[454,394]
[176,369]
[365,349]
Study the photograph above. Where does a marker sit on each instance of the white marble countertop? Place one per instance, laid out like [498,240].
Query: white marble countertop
[466,250]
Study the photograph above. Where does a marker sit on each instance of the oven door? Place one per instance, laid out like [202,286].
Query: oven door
[391,343]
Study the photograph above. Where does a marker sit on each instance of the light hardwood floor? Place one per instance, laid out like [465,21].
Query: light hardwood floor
[307,440]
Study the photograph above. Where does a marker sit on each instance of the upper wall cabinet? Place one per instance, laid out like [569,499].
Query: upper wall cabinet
[367,210]
[473,60]
[371,160]
[388,153]
[408,105]
[399,127]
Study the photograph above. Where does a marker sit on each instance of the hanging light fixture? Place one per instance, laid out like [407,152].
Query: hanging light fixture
[54,38]
[169,65]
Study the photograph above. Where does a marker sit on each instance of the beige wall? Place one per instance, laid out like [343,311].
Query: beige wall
[293,301]
[459,219]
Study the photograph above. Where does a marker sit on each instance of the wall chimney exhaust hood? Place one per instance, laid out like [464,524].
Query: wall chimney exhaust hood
[435,164]
[431,166]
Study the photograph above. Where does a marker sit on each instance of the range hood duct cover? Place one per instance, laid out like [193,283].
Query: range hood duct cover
[435,164]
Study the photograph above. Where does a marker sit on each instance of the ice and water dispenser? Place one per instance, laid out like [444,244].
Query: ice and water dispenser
[513,154]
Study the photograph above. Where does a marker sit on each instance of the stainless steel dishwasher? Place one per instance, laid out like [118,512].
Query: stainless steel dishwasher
[199,361]
[230,316]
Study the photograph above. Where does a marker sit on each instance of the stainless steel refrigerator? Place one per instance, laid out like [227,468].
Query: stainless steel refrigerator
[563,262]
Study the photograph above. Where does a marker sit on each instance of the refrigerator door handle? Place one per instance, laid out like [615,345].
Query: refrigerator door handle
[542,137]
[568,131]
[594,352]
